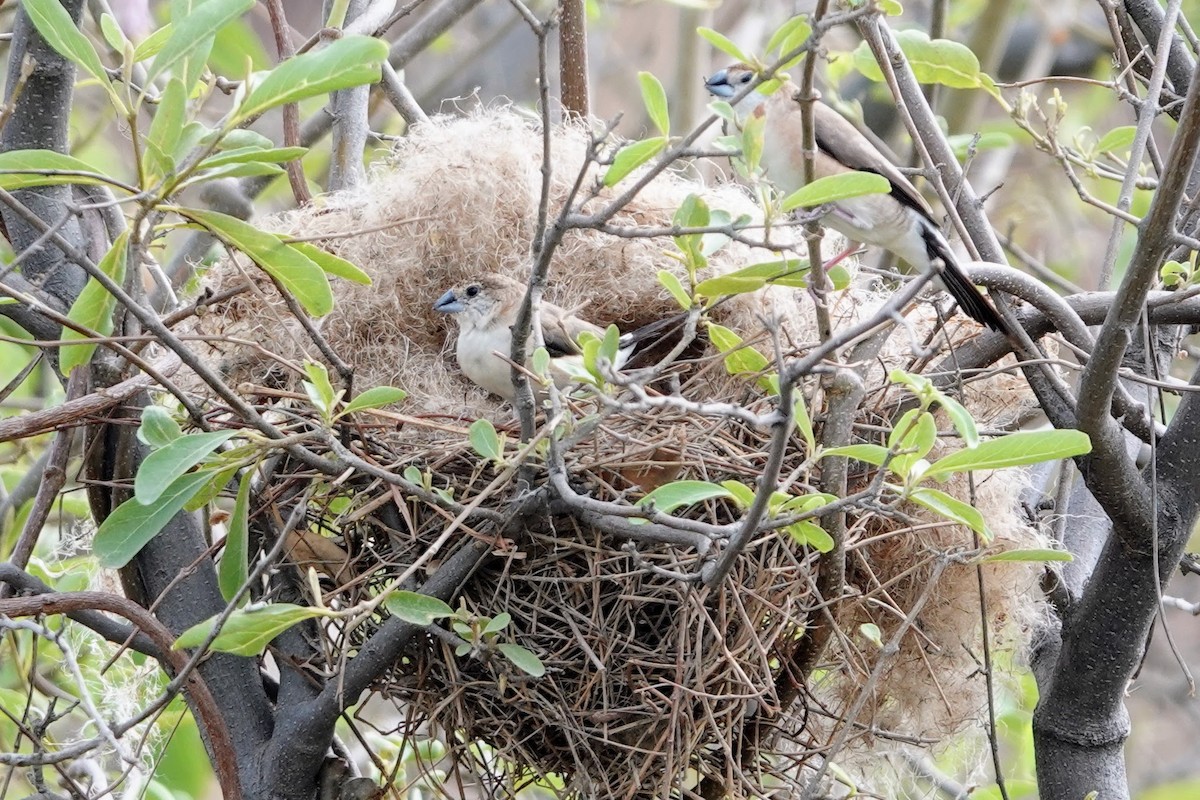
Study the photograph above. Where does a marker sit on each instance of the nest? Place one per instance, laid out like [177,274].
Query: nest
[653,684]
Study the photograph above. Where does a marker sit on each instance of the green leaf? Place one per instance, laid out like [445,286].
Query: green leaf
[610,345]
[318,387]
[349,61]
[246,170]
[191,36]
[656,102]
[890,8]
[153,44]
[810,533]
[869,453]
[903,429]
[249,630]
[723,44]
[676,494]
[832,188]
[523,659]
[1117,139]
[960,418]
[235,567]
[498,623]
[790,36]
[163,467]
[951,508]
[331,264]
[941,61]
[298,273]
[1013,450]
[93,309]
[60,32]
[673,285]
[23,168]
[1031,554]
[131,524]
[804,422]
[484,439]
[632,156]
[870,632]
[740,359]
[740,493]
[692,213]
[419,609]
[220,477]
[376,397]
[239,155]
[540,361]
[786,31]
[919,437]
[788,272]
[239,140]
[158,428]
[166,129]
[112,32]
[723,110]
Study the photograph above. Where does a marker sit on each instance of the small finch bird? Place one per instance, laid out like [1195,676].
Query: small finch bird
[900,221]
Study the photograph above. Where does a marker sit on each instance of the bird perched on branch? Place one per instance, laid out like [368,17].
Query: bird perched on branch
[486,310]
[900,221]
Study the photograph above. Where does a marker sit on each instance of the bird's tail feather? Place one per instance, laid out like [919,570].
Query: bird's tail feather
[973,303]
[655,336]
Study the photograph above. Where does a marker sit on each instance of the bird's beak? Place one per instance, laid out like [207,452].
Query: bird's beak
[718,84]
[448,304]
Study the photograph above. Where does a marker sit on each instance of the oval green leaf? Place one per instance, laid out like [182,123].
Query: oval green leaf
[131,524]
[1117,139]
[60,32]
[93,309]
[1032,554]
[810,533]
[952,509]
[1013,450]
[298,273]
[235,566]
[632,156]
[677,494]
[655,100]
[248,631]
[162,467]
[349,61]
[523,659]
[484,439]
[419,609]
[158,428]
[194,31]
[22,168]
[832,188]
[723,44]
[377,397]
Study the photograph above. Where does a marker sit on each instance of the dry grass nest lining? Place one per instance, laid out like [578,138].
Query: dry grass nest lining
[648,677]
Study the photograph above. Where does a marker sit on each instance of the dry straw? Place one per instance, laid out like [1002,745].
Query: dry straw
[651,682]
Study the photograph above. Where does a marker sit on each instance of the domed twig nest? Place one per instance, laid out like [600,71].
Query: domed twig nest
[653,682]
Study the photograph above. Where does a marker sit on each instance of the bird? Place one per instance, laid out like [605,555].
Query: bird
[486,310]
[901,221]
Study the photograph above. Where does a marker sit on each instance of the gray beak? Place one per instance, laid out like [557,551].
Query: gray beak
[718,84]
[448,304]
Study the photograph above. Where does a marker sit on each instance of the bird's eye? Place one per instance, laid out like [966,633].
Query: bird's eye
[745,78]
[472,291]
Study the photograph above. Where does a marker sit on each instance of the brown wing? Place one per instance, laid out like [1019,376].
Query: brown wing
[840,139]
[561,330]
